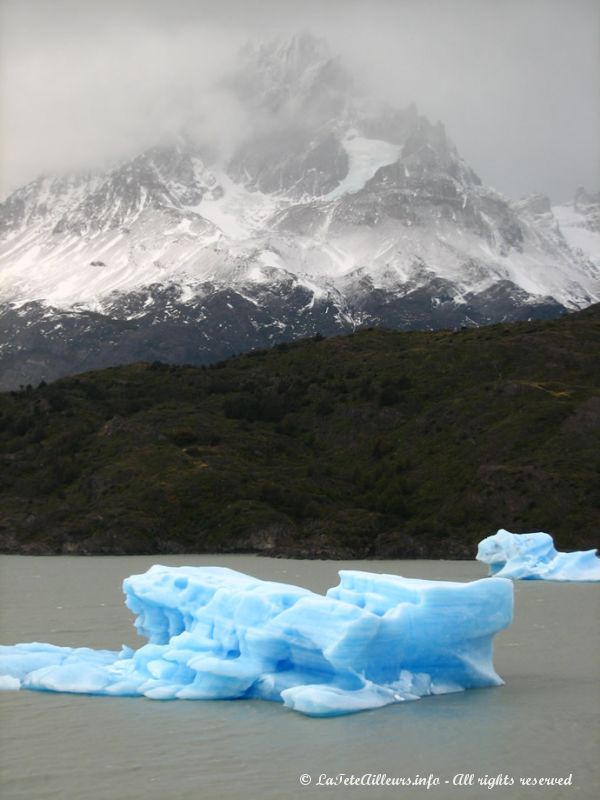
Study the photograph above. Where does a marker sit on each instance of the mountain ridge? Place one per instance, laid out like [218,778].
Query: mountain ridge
[334,212]
[378,444]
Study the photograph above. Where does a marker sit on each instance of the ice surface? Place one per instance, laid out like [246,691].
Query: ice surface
[532,556]
[9,684]
[365,157]
[214,633]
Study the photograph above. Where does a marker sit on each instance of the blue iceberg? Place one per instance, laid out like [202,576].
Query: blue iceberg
[214,633]
[532,556]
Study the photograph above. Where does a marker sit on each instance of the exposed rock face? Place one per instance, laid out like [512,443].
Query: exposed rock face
[333,212]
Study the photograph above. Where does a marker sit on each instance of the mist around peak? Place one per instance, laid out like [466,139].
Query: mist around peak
[515,83]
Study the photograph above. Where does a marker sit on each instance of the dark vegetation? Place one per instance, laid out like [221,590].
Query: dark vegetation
[378,444]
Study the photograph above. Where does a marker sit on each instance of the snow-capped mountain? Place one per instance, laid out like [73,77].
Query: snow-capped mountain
[579,222]
[334,212]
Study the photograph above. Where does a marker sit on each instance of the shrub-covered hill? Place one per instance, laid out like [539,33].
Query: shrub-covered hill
[379,444]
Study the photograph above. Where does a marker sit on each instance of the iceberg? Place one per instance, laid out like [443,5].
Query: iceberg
[214,633]
[532,556]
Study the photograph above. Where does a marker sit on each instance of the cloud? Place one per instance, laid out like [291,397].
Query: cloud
[516,84]
[80,90]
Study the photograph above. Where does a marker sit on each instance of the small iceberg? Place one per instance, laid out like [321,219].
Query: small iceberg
[214,633]
[532,556]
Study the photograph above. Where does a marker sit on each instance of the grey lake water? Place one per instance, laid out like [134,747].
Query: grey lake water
[544,723]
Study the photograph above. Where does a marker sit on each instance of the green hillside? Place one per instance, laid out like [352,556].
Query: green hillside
[379,444]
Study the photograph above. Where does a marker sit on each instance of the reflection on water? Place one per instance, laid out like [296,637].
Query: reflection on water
[542,723]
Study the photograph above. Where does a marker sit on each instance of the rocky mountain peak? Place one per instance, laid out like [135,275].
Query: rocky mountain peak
[334,211]
[287,77]
[175,174]
[164,177]
[295,54]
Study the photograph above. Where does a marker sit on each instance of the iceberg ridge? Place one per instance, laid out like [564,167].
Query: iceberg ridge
[532,556]
[214,633]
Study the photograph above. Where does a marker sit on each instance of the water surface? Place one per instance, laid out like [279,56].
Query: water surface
[542,723]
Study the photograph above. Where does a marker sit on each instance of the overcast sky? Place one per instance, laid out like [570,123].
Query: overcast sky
[516,82]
